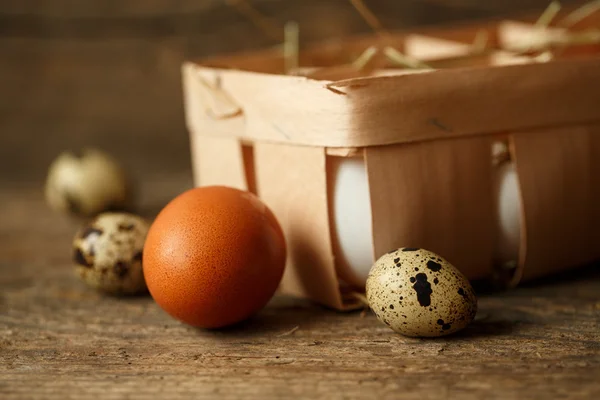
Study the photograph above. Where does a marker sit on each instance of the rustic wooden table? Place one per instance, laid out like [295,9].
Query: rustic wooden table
[109,76]
[58,339]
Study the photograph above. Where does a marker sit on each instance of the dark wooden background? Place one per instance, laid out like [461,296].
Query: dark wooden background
[106,73]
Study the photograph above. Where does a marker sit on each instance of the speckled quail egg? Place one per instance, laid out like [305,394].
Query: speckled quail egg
[86,184]
[108,253]
[418,293]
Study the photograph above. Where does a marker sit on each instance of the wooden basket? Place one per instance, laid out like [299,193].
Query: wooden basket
[426,138]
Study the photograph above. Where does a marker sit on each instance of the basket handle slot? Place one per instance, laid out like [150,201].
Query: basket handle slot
[218,104]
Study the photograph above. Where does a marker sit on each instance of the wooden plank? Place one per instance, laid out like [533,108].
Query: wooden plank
[293,183]
[123,96]
[401,109]
[427,12]
[217,161]
[437,196]
[60,340]
[109,8]
[557,169]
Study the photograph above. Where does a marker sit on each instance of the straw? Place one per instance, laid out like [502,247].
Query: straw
[548,15]
[404,60]
[365,57]
[391,53]
[291,46]
[272,29]
[569,38]
[369,17]
[580,14]
[542,24]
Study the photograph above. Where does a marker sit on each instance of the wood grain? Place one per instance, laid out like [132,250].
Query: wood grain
[64,85]
[300,205]
[435,195]
[372,111]
[557,198]
[60,340]
[107,73]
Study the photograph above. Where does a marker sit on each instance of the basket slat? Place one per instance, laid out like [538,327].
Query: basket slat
[436,195]
[557,168]
[401,109]
[292,181]
[218,161]
[461,102]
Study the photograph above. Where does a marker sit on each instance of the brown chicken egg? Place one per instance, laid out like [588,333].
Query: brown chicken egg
[214,256]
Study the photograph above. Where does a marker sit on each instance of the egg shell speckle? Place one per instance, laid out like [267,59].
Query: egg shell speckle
[108,253]
[418,293]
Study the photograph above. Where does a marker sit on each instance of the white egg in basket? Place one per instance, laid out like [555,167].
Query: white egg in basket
[351,213]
